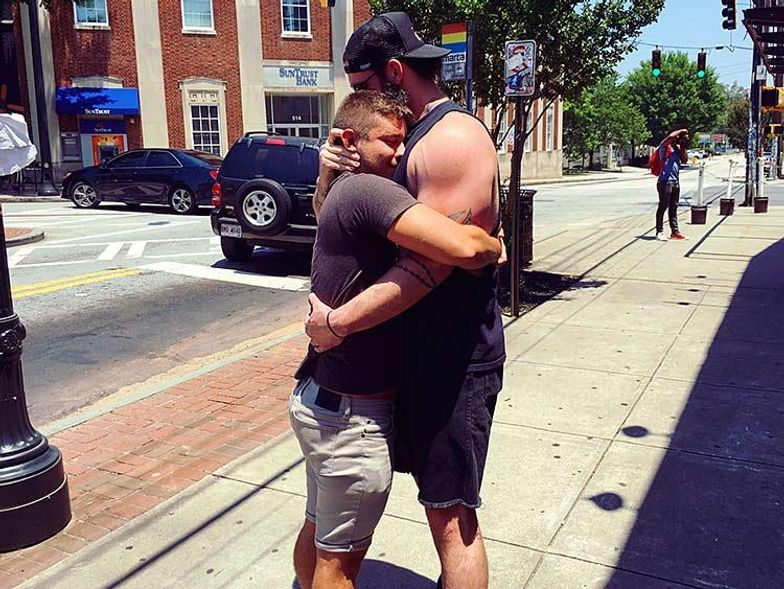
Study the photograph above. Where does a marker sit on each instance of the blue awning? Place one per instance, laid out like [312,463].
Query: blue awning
[97,101]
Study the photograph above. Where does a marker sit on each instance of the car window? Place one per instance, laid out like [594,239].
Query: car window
[132,159]
[161,159]
[284,164]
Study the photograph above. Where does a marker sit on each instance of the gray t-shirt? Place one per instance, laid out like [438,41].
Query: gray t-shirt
[352,252]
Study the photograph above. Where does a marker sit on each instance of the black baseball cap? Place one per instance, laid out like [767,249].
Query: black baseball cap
[384,37]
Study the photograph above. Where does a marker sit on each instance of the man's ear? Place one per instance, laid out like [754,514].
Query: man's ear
[393,71]
[349,138]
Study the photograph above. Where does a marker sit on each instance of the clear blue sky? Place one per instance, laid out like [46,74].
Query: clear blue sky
[697,23]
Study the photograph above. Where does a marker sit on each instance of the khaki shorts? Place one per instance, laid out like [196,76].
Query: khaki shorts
[347,444]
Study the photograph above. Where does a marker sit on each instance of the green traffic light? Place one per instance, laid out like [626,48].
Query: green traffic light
[701,74]
[656,72]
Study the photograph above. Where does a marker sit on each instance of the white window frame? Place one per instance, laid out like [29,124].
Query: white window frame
[549,130]
[527,127]
[198,30]
[209,85]
[295,34]
[91,25]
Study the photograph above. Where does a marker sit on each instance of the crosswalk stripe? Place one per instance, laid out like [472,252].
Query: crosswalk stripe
[136,250]
[110,251]
[233,276]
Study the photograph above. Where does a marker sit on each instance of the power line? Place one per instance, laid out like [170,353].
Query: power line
[702,48]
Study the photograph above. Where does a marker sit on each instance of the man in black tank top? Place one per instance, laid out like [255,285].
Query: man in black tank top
[453,337]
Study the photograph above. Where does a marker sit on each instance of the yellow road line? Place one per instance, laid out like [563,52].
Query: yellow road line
[50,286]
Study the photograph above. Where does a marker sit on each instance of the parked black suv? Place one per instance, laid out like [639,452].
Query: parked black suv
[264,194]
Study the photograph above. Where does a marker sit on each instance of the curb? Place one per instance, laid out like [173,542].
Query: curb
[9,199]
[33,236]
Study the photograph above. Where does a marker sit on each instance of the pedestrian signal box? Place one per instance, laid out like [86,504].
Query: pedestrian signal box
[772,98]
[774,129]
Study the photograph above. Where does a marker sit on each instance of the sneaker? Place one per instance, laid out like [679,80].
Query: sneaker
[677,236]
[660,237]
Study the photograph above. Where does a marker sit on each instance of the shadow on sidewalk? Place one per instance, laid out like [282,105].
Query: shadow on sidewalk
[383,575]
[713,514]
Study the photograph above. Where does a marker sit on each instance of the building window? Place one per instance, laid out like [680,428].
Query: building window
[503,128]
[299,116]
[549,128]
[197,15]
[527,146]
[205,128]
[295,16]
[91,12]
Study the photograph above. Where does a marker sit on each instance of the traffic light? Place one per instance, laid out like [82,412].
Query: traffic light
[771,98]
[729,14]
[656,63]
[701,58]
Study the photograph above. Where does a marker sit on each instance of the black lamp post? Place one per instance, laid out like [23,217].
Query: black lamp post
[34,502]
[46,187]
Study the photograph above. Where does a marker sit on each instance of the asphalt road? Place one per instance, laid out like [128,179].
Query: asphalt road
[114,296]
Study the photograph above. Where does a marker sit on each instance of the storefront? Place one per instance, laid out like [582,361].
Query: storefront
[299,98]
[102,115]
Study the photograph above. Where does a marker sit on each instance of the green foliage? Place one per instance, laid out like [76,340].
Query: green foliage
[677,98]
[600,115]
[579,41]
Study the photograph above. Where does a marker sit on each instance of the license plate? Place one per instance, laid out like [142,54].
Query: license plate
[231,230]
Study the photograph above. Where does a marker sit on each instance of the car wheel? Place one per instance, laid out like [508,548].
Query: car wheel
[263,207]
[182,201]
[236,250]
[84,196]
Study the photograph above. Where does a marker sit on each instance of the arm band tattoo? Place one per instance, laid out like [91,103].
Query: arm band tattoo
[425,268]
[423,280]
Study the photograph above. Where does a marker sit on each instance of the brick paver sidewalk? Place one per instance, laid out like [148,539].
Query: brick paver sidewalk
[129,460]
[12,232]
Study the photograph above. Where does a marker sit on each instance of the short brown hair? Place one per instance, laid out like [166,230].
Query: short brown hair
[358,110]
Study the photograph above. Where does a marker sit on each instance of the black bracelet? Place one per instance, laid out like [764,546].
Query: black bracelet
[332,331]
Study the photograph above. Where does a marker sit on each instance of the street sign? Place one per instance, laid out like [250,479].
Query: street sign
[519,68]
[762,73]
[454,37]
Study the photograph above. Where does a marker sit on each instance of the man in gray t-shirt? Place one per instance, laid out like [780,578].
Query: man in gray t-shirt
[341,409]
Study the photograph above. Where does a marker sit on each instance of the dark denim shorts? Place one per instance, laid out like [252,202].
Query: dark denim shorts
[443,434]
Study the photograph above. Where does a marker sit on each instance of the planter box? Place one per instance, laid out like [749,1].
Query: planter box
[699,215]
[727,206]
[761,204]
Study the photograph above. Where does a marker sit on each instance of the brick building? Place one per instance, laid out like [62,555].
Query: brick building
[122,74]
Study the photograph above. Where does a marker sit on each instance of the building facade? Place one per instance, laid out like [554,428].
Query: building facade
[123,74]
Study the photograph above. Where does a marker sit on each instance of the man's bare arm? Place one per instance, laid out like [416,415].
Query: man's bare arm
[403,285]
[455,242]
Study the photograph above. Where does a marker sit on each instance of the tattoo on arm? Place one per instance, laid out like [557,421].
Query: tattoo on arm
[425,269]
[426,281]
[464,217]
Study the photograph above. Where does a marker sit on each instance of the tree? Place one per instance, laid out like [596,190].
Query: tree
[579,41]
[603,114]
[677,98]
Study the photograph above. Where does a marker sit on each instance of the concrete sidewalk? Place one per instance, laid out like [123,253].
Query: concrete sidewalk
[638,442]
[22,235]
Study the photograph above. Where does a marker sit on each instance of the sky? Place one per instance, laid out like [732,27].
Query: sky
[695,24]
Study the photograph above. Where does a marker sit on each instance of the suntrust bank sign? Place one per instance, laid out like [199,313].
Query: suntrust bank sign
[311,78]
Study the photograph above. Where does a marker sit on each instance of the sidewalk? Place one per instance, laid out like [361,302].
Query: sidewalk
[22,235]
[638,442]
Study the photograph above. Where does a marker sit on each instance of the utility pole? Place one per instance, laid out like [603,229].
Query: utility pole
[46,187]
[753,135]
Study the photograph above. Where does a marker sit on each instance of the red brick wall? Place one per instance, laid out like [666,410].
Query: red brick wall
[81,53]
[361,12]
[276,47]
[200,56]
